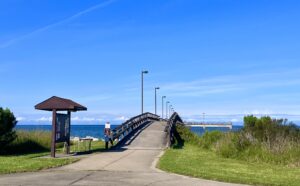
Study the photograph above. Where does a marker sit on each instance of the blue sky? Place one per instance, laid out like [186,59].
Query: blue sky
[226,58]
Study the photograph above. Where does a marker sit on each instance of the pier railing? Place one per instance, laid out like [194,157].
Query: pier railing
[119,133]
[171,128]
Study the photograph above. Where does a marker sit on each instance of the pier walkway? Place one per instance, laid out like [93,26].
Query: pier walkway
[131,164]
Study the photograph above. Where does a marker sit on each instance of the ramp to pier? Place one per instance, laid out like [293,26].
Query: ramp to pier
[136,154]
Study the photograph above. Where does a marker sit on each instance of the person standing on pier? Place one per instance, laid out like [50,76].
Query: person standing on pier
[107,135]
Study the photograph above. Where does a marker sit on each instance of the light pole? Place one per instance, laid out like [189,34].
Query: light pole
[143,72]
[156,88]
[162,106]
[203,117]
[167,108]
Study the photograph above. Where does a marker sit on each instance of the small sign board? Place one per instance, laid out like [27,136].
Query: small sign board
[62,128]
[107,125]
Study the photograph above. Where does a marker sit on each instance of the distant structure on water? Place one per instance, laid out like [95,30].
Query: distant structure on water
[209,125]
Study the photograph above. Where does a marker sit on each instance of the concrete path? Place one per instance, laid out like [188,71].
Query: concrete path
[133,164]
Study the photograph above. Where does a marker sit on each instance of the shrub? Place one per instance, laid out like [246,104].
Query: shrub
[261,140]
[186,134]
[226,146]
[7,124]
[209,139]
[276,135]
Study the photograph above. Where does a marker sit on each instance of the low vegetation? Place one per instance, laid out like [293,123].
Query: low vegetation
[265,152]
[30,162]
[27,151]
[28,142]
[23,151]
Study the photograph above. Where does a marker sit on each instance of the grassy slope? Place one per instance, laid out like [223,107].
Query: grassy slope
[30,162]
[196,162]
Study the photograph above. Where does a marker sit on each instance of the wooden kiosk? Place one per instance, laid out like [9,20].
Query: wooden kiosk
[61,123]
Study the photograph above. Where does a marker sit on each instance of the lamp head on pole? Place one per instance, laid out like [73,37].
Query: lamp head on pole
[145,71]
[157,88]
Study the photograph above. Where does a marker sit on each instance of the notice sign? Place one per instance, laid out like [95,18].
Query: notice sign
[62,128]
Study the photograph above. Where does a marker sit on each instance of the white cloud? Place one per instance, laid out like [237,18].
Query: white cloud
[259,112]
[75,118]
[20,119]
[236,120]
[191,120]
[121,118]
[86,119]
[45,119]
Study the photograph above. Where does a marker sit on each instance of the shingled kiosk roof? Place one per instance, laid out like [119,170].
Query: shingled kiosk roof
[60,104]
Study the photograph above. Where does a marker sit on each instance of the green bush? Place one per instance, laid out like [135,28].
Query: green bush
[188,136]
[261,140]
[209,139]
[276,135]
[7,124]
[266,128]
[226,146]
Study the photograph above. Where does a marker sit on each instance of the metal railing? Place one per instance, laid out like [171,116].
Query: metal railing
[130,125]
[171,128]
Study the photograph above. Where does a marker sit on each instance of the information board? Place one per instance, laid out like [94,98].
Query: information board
[62,128]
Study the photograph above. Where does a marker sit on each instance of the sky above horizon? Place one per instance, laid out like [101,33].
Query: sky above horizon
[227,58]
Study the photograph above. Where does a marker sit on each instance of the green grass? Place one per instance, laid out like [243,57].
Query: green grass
[281,149]
[236,157]
[30,162]
[28,142]
[195,161]
[26,151]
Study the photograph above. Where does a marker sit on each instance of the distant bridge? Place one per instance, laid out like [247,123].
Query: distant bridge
[208,125]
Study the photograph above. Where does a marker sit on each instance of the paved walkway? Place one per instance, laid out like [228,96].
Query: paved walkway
[133,164]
